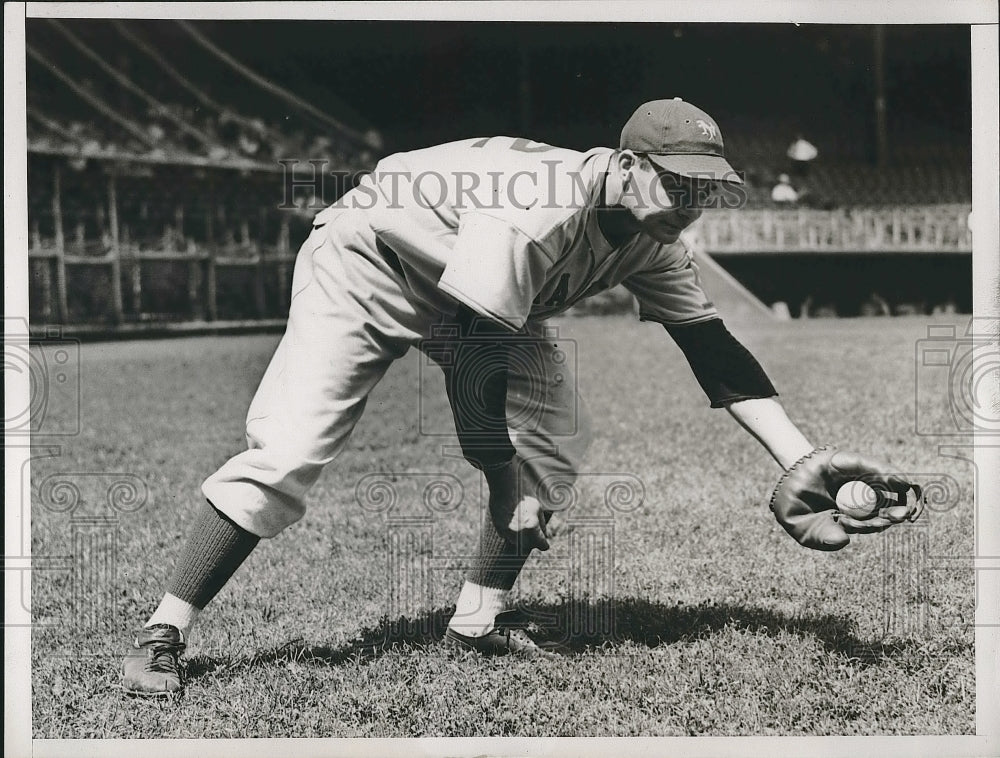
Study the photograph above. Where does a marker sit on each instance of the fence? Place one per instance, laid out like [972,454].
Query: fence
[104,274]
[934,228]
[252,280]
[130,291]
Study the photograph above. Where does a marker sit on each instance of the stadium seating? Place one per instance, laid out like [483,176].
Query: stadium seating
[83,106]
[166,182]
[925,167]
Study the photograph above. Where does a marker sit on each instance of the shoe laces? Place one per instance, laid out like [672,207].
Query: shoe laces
[164,657]
[518,636]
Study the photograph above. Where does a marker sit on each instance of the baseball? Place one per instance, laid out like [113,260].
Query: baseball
[857,500]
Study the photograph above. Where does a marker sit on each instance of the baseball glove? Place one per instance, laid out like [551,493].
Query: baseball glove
[804,502]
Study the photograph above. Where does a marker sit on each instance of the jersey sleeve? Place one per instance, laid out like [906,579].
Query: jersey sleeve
[495,269]
[669,289]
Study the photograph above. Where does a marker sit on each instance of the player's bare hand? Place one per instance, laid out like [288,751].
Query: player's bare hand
[527,524]
[517,518]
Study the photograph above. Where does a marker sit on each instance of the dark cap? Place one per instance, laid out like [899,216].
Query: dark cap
[679,138]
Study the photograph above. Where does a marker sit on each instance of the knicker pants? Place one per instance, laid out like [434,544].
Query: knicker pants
[351,315]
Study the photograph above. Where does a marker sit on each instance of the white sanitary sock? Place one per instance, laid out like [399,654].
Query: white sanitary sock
[172,610]
[477,609]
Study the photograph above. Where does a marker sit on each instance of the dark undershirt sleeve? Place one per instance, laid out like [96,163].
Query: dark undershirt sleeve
[724,368]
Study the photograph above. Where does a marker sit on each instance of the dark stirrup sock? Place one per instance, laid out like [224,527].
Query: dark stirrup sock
[214,551]
[498,562]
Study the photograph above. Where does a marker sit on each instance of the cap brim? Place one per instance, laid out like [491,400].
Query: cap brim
[710,167]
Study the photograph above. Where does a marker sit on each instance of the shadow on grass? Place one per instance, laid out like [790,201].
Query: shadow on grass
[580,627]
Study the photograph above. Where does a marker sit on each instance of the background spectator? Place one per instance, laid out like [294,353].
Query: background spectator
[783,192]
[800,153]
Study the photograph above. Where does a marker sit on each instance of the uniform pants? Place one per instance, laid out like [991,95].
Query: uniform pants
[351,316]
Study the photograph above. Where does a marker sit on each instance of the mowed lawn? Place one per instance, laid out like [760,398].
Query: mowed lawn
[689,613]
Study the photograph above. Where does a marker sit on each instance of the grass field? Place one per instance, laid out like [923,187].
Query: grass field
[710,619]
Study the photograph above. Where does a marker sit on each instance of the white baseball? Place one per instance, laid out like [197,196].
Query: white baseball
[857,500]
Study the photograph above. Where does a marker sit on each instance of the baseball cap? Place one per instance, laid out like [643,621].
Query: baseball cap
[680,138]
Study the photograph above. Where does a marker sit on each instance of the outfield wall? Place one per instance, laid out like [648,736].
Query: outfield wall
[852,283]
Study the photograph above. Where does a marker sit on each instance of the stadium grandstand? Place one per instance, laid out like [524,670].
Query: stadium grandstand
[154,190]
[158,163]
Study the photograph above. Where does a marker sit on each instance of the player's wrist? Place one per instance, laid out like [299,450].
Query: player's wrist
[805,456]
[788,458]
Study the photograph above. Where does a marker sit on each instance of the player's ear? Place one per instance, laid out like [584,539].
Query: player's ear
[626,160]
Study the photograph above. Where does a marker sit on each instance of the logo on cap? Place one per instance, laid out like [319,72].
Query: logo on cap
[708,128]
[680,138]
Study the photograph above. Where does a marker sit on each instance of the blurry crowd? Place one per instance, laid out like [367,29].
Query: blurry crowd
[807,172]
[182,133]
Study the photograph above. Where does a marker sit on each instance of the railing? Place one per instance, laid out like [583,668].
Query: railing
[199,270]
[263,285]
[57,265]
[938,228]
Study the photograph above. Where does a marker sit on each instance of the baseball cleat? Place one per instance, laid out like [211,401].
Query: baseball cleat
[153,668]
[506,638]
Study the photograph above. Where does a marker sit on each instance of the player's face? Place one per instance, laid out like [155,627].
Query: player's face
[663,204]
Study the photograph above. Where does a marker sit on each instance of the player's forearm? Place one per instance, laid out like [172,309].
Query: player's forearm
[767,421]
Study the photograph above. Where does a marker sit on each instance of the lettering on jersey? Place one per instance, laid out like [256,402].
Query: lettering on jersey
[524,146]
[579,194]
[519,145]
[559,294]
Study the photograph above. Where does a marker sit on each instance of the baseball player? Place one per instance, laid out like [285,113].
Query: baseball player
[463,250]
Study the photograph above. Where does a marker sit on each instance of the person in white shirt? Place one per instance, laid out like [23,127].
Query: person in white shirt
[783,191]
[801,153]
